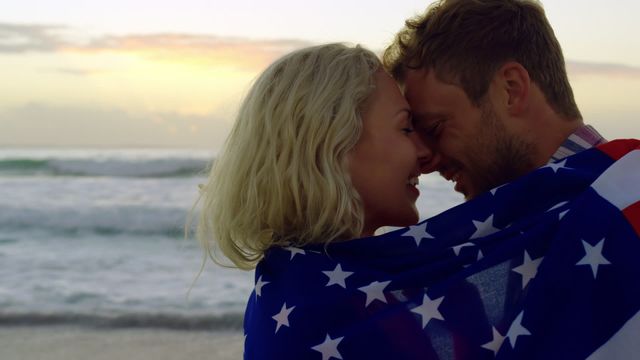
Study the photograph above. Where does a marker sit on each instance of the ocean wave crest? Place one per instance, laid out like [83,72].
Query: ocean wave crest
[111,167]
[140,220]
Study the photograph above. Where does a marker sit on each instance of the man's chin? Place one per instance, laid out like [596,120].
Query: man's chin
[464,190]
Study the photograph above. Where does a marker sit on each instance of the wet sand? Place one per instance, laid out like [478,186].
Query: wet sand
[75,343]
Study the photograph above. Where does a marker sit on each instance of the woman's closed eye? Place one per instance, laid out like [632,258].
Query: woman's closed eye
[408,124]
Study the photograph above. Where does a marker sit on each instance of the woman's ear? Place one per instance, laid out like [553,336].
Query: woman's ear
[516,84]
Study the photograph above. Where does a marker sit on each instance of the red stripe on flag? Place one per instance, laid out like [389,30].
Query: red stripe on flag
[619,148]
[632,213]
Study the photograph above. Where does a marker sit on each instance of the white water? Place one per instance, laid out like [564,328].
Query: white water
[107,241]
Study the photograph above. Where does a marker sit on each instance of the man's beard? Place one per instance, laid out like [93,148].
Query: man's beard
[500,157]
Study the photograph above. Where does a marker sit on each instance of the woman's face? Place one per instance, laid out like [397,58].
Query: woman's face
[384,164]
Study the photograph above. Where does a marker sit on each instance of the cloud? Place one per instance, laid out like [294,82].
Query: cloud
[16,38]
[578,68]
[196,49]
[179,47]
[74,71]
[199,49]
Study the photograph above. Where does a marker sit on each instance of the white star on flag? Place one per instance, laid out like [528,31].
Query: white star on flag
[294,251]
[375,291]
[558,205]
[496,341]
[337,276]
[429,310]
[516,329]
[495,189]
[528,269]
[418,232]
[483,228]
[259,285]
[282,318]
[457,248]
[556,166]
[593,256]
[329,348]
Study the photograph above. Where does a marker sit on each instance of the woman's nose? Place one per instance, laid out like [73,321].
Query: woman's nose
[428,158]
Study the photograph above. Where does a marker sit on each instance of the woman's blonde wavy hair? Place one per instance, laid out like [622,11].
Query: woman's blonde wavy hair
[282,178]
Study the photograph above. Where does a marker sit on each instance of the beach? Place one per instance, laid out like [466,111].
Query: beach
[78,343]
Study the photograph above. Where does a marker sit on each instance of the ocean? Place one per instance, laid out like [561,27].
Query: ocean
[96,238]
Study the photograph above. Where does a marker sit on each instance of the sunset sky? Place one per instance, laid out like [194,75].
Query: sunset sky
[87,73]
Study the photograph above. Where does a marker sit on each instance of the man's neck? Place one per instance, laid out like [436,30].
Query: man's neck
[552,137]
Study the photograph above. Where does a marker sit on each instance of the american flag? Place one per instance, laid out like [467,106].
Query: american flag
[546,267]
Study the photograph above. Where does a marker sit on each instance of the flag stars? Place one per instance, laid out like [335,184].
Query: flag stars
[294,251]
[495,189]
[557,166]
[528,269]
[429,310]
[516,329]
[457,248]
[259,285]
[496,341]
[593,257]
[375,291]
[282,318]
[558,205]
[484,228]
[337,276]
[418,233]
[329,348]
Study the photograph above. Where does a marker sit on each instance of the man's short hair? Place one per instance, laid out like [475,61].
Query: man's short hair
[466,41]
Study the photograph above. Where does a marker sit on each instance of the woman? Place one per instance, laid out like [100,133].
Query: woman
[322,151]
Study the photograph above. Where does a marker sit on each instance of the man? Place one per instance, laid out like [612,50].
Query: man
[488,89]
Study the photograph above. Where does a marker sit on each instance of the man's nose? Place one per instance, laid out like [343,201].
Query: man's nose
[428,157]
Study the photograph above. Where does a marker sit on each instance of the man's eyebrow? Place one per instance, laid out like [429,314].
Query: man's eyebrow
[428,114]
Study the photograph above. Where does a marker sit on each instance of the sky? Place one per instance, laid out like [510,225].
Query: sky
[88,73]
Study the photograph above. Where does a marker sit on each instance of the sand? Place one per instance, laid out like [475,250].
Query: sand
[69,343]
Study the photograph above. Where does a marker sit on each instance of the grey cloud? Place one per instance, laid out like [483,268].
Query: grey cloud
[578,68]
[15,38]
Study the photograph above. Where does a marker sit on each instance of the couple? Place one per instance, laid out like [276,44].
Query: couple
[540,262]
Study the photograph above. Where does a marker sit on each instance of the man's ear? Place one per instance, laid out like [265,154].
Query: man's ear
[516,83]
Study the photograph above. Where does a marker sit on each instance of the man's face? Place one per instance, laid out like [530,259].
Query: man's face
[478,149]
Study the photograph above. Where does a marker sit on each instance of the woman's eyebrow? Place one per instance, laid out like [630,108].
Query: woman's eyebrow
[407,110]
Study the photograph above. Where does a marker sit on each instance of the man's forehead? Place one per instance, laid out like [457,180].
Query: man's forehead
[416,74]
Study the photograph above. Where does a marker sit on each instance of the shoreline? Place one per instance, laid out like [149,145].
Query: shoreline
[58,342]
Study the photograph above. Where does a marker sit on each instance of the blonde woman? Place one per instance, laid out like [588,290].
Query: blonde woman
[322,152]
